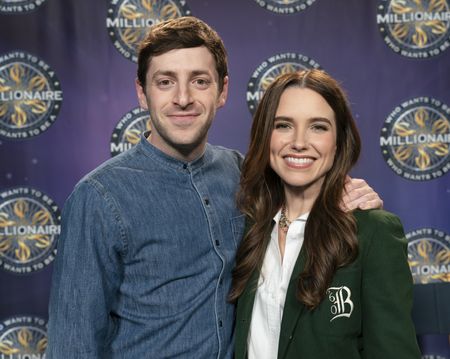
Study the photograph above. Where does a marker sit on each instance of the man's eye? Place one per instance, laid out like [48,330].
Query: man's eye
[163,82]
[201,82]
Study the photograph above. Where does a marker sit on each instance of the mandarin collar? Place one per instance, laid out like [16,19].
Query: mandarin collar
[151,151]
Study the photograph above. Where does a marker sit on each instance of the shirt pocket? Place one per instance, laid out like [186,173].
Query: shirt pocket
[237,228]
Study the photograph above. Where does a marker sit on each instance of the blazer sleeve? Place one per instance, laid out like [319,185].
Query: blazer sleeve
[388,329]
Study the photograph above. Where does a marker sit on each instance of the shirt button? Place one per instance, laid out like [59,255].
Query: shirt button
[217,243]
[206,201]
[220,323]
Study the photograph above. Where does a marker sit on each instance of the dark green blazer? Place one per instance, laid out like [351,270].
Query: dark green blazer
[366,312]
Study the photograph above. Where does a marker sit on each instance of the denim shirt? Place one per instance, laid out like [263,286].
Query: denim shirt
[145,257]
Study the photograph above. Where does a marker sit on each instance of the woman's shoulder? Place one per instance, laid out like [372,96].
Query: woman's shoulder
[376,217]
[379,228]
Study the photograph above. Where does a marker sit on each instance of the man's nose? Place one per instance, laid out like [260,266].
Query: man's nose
[183,96]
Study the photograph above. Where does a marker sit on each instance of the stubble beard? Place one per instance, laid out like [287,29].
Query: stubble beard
[185,149]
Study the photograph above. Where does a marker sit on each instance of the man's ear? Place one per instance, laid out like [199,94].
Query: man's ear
[224,94]
[141,95]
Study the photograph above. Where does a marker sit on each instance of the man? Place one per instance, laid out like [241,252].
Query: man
[149,238]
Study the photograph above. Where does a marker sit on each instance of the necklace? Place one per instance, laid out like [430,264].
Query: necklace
[284,222]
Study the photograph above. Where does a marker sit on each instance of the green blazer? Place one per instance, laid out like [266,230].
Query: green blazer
[366,312]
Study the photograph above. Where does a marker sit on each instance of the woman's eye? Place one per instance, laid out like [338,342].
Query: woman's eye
[281,125]
[319,127]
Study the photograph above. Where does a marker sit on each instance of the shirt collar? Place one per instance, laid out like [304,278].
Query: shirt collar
[296,228]
[301,218]
[151,151]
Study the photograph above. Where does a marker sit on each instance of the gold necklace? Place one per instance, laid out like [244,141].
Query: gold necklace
[284,222]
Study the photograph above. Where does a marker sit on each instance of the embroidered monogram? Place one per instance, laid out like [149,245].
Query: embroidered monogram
[342,305]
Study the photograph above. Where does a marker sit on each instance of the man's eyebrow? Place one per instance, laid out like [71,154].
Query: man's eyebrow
[174,74]
[164,73]
[200,72]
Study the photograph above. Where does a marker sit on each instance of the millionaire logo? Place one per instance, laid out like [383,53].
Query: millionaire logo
[23,338]
[29,229]
[415,28]
[129,129]
[30,95]
[19,6]
[128,21]
[415,139]
[269,69]
[285,6]
[429,255]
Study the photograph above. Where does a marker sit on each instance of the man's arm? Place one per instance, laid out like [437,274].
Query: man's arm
[358,194]
[86,276]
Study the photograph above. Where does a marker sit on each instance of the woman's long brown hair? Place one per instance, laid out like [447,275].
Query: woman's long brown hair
[330,233]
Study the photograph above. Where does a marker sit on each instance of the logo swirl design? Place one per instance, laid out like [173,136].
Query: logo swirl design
[129,129]
[128,21]
[23,337]
[415,139]
[429,255]
[30,96]
[415,28]
[270,69]
[29,228]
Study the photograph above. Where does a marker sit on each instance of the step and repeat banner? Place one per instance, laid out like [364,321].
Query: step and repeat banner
[67,103]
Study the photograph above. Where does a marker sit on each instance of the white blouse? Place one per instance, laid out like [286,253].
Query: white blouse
[270,296]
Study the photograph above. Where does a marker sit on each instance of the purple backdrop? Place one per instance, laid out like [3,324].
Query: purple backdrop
[97,82]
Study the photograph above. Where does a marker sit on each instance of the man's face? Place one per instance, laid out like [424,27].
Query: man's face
[182,96]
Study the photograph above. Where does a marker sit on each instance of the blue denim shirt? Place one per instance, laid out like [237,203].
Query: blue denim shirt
[145,257]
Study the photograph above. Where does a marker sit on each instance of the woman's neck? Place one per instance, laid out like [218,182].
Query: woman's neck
[299,200]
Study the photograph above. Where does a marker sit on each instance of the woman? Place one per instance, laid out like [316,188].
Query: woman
[311,280]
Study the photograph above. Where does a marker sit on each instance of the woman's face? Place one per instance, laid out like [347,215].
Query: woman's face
[303,142]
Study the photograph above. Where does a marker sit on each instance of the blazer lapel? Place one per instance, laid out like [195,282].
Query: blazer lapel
[292,307]
[244,314]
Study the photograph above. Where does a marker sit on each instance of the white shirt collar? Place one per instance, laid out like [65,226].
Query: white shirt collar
[273,283]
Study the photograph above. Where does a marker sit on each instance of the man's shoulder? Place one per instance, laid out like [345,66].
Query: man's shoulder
[225,151]
[226,154]
[112,170]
